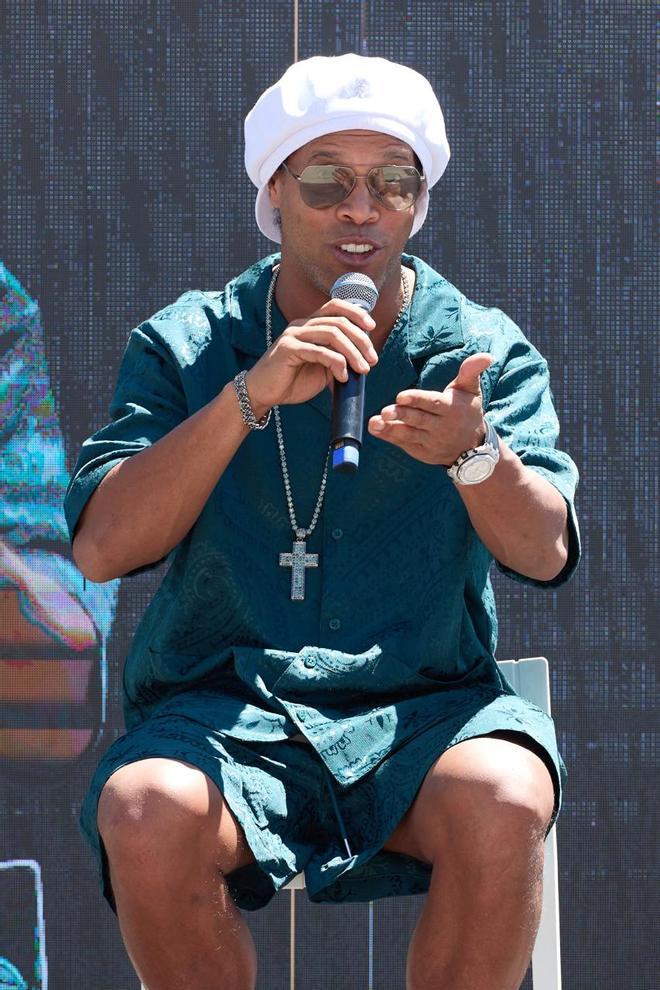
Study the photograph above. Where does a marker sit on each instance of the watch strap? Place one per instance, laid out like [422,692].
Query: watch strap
[490,448]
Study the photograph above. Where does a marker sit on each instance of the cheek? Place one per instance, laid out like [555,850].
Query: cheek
[400,226]
[301,227]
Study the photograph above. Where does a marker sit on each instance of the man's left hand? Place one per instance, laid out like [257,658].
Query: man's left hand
[436,427]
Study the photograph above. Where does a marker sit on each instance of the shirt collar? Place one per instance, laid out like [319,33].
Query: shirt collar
[433,325]
[247,308]
[435,314]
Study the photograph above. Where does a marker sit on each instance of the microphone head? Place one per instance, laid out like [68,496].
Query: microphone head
[355,288]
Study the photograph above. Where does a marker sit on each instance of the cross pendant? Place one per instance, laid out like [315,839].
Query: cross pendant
[298,560]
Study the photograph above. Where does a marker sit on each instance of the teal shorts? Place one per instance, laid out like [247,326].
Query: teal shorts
[297,818]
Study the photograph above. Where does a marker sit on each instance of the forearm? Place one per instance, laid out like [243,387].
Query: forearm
[146,504]
[520,517]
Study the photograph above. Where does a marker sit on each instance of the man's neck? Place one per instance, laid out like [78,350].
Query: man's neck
[381,332]
[295,304]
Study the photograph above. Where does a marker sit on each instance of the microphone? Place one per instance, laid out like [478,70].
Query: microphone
[348,396]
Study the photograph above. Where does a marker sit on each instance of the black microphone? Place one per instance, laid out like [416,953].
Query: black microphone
[348,397]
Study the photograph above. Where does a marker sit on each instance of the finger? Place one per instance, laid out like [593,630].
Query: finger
[413,441]
[333,338]
[411,416]
[360,337]
[428,401]
[340,307]
[329,358]
[468,378]
[395,432]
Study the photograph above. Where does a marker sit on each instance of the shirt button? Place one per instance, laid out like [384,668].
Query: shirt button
[310,662]
[337,533]
[334,624]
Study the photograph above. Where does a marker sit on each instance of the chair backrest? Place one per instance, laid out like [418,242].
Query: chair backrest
[530,678]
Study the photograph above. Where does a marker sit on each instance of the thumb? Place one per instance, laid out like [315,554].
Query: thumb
[467,379]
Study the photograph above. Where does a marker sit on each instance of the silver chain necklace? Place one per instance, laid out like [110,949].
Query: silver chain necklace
[299,560]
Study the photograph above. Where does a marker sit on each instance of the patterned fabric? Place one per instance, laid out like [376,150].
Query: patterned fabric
[286,800]
[33,480]
[33,474]
[397,632]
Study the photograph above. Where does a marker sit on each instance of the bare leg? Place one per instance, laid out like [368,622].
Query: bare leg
[477,928]
[479,819]
[169,836]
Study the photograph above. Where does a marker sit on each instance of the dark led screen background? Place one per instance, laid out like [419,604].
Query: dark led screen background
[123,186]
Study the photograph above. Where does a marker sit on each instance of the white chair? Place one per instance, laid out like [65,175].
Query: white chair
[530,678]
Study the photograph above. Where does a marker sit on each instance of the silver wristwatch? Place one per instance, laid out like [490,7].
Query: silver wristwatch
[477,464]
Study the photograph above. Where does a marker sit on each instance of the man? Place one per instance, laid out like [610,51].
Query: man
[314,684]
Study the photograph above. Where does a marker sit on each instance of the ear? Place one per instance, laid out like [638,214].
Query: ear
[274,184]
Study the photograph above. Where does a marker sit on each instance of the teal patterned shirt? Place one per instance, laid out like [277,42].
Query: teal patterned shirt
[398,623]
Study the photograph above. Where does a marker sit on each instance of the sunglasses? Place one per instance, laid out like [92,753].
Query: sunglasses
[397,187]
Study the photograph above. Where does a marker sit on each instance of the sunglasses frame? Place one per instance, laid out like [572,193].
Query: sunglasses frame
[357,176]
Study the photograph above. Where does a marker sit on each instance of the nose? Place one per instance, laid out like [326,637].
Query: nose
[360,206]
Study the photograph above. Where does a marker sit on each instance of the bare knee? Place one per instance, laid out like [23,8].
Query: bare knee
[162,812]
[486,796]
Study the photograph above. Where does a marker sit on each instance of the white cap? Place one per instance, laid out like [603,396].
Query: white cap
[325,94]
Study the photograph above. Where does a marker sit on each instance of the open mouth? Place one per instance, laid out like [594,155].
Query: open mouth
[356,248]
[356,252]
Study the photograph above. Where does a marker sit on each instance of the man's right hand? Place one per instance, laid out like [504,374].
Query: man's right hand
[311,354]
[147,502]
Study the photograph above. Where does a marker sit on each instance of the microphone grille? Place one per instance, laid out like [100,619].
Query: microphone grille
[356,288]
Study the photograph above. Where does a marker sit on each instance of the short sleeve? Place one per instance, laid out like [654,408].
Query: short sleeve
[521,409]
[148,402]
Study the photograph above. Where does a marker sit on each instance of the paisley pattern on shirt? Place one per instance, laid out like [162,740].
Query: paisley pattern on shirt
[397,633]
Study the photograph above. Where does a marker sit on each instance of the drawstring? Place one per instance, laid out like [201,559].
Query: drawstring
[340,820]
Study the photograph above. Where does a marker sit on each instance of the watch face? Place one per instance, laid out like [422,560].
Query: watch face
[476,469]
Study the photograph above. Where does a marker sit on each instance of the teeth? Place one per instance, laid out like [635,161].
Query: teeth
[357,248]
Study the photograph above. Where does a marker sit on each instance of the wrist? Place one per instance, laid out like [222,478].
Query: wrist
[481,434]
[475,465]
[258,407]
[254,416]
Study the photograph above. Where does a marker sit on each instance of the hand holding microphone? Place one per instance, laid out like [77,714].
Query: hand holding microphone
[330,345]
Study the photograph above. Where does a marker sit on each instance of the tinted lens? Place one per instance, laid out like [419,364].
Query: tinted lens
[396,186]
[325,185]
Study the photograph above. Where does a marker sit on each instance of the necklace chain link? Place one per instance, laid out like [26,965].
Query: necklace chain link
[301,533]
